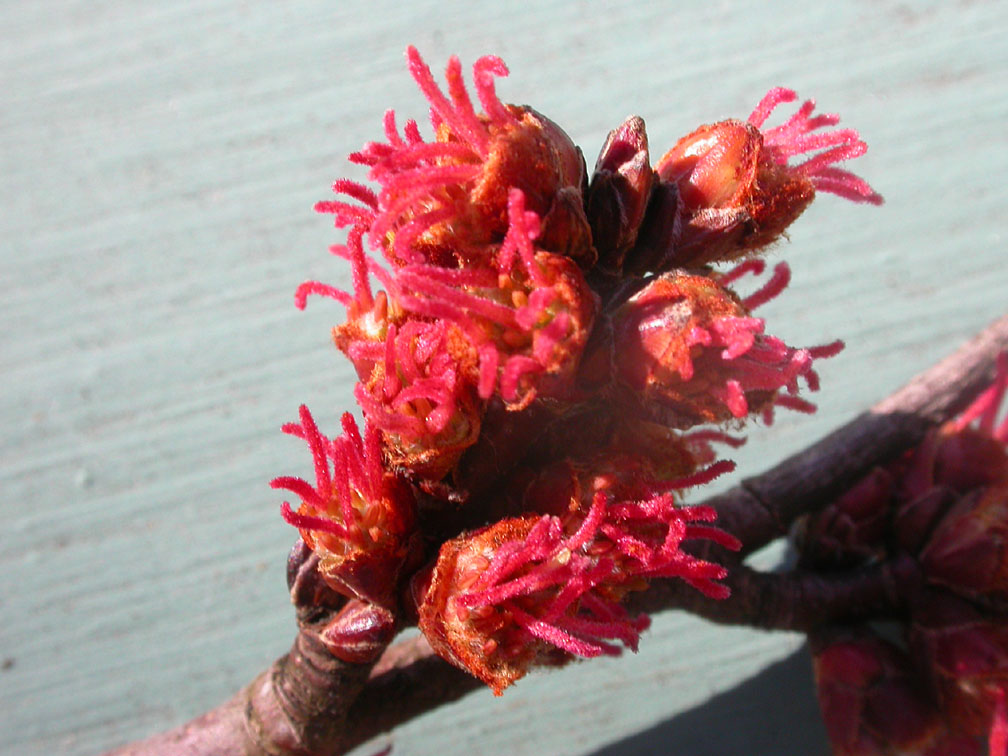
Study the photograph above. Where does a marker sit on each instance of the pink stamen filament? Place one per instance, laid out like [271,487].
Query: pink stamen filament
[484,71]
[463,127]
[307,522]
[773,287]
[357,191]
[562,639]
[346,214]
[769,103]
[308,288]
[748,267]
[302,489]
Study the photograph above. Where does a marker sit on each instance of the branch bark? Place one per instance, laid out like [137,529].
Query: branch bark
[361,701]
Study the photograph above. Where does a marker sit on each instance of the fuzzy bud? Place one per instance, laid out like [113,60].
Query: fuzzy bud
[737,189]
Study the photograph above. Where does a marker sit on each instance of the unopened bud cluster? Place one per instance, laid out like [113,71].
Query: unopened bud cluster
[533,346]
[937,684]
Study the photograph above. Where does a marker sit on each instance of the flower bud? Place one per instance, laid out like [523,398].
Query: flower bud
[655,249]
[619,191]
[968,550]
[357,518]
[690,350]
[737,190]
[725,210]
[965,653]
[871,700]
[360,632]
[487,642]
[851,529]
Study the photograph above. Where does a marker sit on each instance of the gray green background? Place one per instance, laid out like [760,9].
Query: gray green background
[158,164]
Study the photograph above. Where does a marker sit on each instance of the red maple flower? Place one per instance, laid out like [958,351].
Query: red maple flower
[567,333]
[357,517]
[691,350]
[537,589]
[737,188]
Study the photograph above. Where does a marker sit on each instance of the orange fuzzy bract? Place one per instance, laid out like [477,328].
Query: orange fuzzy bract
[656,355]
[529,153]
[736,197]
[481,641]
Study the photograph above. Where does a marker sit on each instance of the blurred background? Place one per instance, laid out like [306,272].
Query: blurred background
[158,166]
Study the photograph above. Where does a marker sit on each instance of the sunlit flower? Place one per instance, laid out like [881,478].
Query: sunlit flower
[357,517]
[737,188]
[534,589]
[690,347]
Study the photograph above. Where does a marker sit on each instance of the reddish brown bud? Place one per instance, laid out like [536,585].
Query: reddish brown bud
[966,655]
[871,701]
[968,550]
[732,201]
[619,191]
[359,633]
[738,191]
[659,234]
[308,589]
[853,527]
[659,350]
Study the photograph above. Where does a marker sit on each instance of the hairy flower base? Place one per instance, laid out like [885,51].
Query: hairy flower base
[534,589]
[689,347]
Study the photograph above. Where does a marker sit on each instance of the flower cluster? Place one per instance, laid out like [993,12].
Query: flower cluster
[533,348]
[945,665]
